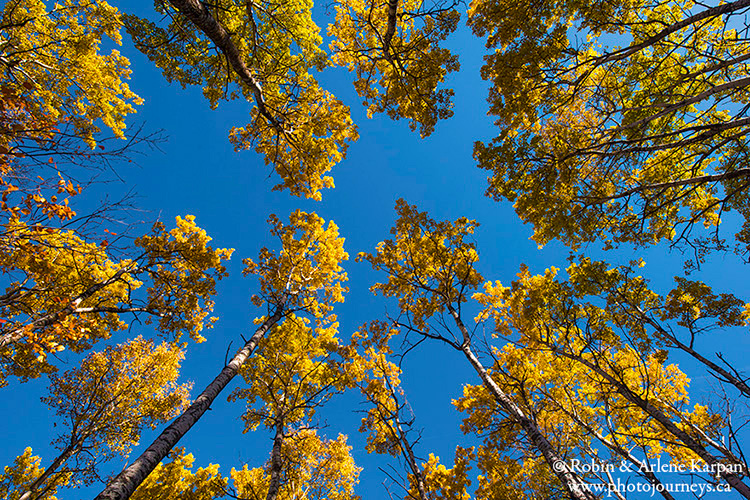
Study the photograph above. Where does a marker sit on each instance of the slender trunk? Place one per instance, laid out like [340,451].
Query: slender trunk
[197,13]
[691,443]
[408,453]
[51,470]
[276,461]
[123,486]
[572,483]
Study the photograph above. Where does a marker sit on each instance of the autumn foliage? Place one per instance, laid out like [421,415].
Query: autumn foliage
[619,125]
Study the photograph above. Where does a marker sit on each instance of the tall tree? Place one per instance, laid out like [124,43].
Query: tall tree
[431,270]
[305,276]
[103,405]
[390,423]
[639,142]
[265,52]
[566,377]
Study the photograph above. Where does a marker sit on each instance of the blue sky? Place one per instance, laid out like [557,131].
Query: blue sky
[197,172]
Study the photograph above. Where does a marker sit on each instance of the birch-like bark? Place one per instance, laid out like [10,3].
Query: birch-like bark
[274,484]
[390,29]
[572,483]
[123,486]
[197,13]
[51,470]
[654,412]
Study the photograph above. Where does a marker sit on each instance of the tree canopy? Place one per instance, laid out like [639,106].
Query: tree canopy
[450,359]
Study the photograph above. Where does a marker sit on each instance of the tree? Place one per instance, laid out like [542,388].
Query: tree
[304,277]
[591,356]
[264,52]
[314,468]
[54,55]
[431,270]
[394,49]
[66,291]
[17,479]
[390,423]
[69,293]
[634,143]
[175,479]
[104,404]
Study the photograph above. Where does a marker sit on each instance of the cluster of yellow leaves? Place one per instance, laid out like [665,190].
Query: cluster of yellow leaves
[16,479]
[175,479]
[70,293]
[56,51]
[442,483]
[591,132]
[113,394]
[314,469]
[408,63]
[429,263]
[312,138]
[184,269]
[53,269]
[293,372]
[306,274]
[558,334]
[301,129]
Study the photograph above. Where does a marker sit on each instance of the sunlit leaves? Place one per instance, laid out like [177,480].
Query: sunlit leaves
[68,293]
[394,49]
[620,122]
[176,479]
[429,263]
[306,274]
[115,393]
[315,469]
[17,478]
[266,53]
[56,53]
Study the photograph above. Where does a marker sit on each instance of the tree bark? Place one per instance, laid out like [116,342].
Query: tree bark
[274,484]
[51,470]
[197,13]
[572,483]
[123,486]
[691,443]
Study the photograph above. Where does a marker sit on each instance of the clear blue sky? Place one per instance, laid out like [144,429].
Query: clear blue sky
[230,194]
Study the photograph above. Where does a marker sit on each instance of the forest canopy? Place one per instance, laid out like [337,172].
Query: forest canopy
[260,322]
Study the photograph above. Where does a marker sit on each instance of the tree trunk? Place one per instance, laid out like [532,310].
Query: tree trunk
[654,412]
[572,483]
[123,486]
[274,484]
[49,471]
